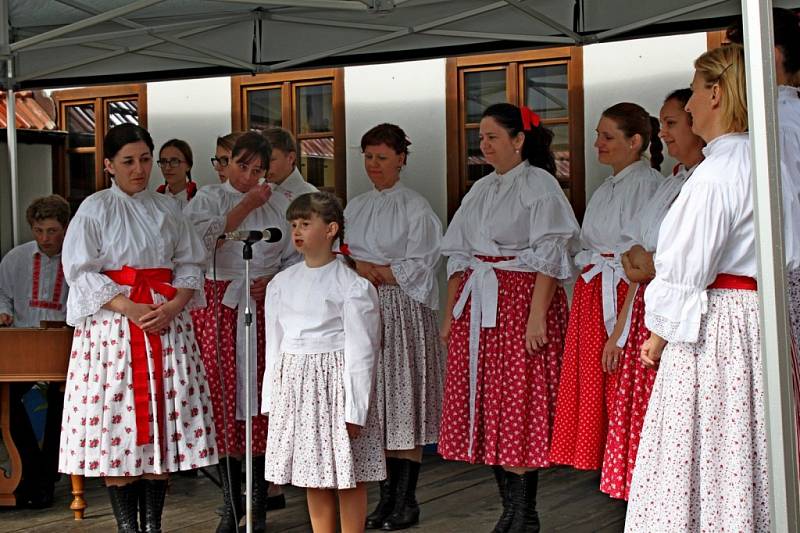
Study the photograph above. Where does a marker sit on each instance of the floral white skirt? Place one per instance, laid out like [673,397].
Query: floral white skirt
[702,462]
[98,428]
[307,442]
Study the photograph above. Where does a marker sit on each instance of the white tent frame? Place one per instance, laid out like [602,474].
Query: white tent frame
[757,15]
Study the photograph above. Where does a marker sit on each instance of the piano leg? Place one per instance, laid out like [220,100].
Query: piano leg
[8,483]
[78,504]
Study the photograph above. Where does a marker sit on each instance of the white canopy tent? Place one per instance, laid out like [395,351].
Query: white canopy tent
[56,43]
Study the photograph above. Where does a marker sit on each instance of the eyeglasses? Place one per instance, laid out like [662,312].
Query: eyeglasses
[172,162]
[220,162]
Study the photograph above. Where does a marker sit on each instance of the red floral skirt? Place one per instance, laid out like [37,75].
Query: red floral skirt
[516,392]
[626,415]
[586,393]
[205,327]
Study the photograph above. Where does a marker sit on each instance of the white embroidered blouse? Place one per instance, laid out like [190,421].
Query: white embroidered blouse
[708,230]
[789,136]
[644,229]
[113,229]
[31,289]
[522,213]
[293,186]
[397,227]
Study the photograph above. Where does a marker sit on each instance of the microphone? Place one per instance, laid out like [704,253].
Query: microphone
[268,235]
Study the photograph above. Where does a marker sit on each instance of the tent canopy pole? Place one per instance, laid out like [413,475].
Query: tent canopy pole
[767,204]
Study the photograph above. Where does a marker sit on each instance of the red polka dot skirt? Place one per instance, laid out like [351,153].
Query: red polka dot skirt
[586,392]
[626,415]
[516,392]
[205,326]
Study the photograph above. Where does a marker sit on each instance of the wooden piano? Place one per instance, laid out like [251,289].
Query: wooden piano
[31,354]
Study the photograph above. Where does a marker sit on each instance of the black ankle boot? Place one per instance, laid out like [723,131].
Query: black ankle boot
[406,510]
[232,493]
[125,503]
[508,509]
[155,491]
[259,496]
[522,492]
[387,489]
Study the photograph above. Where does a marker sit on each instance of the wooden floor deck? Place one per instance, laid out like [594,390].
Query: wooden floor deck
[454,497]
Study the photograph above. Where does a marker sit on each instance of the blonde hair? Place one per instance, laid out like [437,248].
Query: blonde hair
[725,67]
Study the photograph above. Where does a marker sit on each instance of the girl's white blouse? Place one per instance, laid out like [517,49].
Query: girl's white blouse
[644,230]
[708,230]
[614,207]
[397,227]
[789,135]
[522,213]
[112,229]
[319,310]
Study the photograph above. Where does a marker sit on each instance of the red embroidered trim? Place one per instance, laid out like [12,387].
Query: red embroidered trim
[55,302]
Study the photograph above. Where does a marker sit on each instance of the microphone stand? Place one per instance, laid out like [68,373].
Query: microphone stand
[247,255]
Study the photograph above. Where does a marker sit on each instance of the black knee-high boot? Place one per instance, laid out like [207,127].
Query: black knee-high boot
[125,504]
[232,493]
[259,496]
[387,489]
[508,509]
[522,491]
[406,510]
[155,491]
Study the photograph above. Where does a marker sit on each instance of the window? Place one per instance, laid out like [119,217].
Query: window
[86,115]
[310,104]
[715,39]
[548,81]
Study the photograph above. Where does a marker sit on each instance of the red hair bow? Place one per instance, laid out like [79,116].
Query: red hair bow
[529,118]
[343,250]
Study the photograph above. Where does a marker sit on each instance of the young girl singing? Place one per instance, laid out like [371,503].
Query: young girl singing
[323,336]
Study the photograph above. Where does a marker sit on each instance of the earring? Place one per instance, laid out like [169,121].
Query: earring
[516,151]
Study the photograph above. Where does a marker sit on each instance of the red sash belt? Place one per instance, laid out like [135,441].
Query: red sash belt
[731,281]
[142,281]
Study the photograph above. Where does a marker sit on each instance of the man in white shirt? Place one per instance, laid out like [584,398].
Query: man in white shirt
[32,289]
[283,173]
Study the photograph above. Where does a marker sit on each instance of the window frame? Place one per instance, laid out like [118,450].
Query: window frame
[514,63]
[100,97]
[288,82]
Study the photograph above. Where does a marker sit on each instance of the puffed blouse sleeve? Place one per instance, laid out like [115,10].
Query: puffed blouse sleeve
[274,337]
[205,218]
[362,340]
[416,272]
[189,260]
[455,244]
[691,242]
[82,261]
[553,238]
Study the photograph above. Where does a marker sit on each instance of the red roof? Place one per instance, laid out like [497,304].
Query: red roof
[31,111]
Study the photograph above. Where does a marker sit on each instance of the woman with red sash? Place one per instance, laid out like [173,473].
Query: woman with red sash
[702,461]
[136,404]
[509,248]
[621,354]
[624,133]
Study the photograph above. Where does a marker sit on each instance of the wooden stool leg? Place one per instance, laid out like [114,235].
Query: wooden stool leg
[8,481]
[78,504]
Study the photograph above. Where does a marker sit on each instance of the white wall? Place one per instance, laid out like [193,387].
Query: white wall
[35,168]
[197,111]
[411,95]
[643,71]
